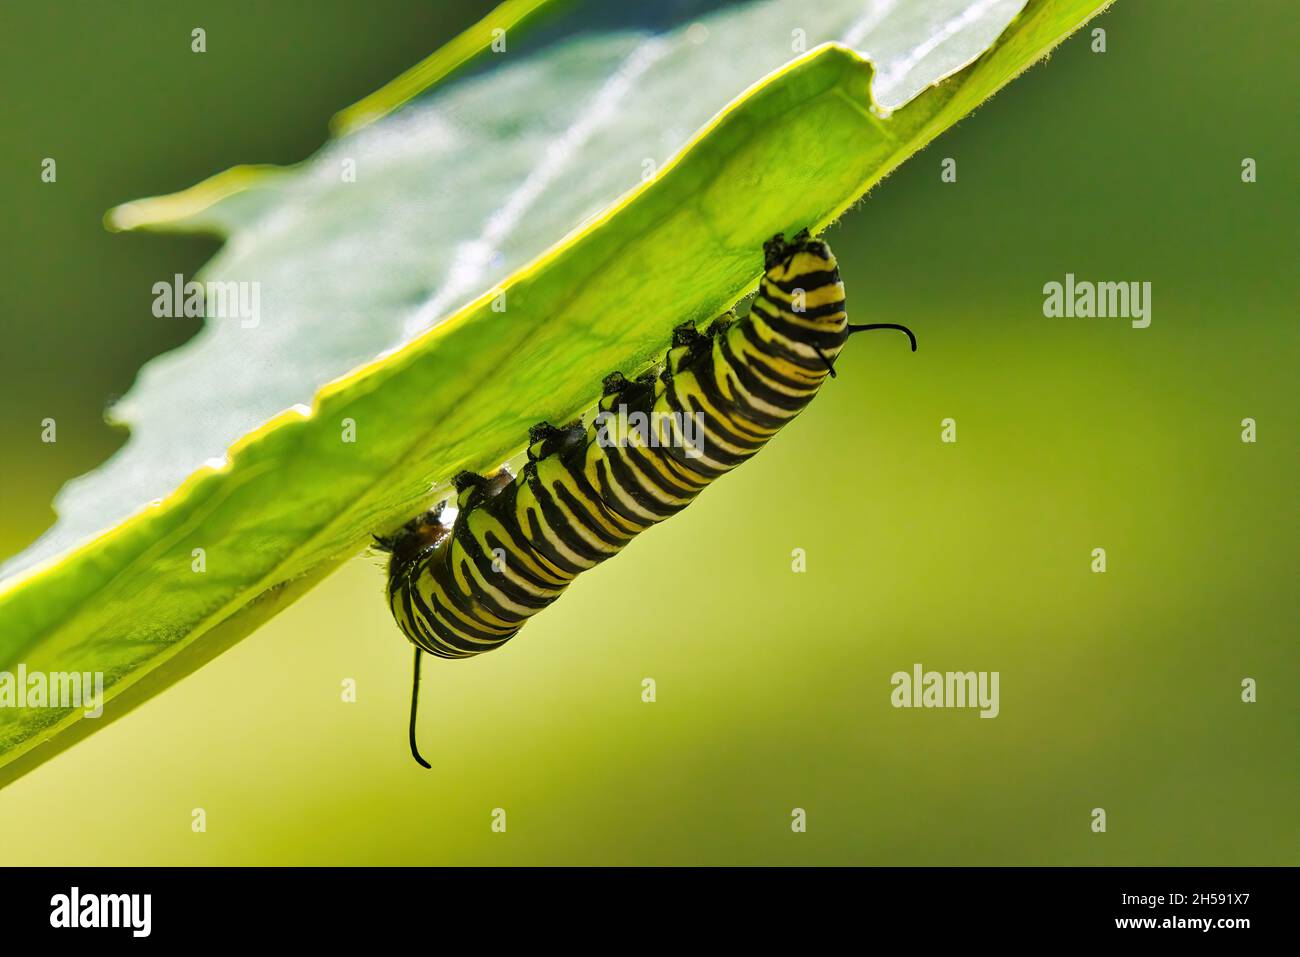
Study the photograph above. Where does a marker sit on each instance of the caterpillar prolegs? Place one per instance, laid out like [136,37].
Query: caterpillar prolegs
[459,588]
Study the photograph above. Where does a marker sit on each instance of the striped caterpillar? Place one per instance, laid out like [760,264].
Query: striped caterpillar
[462,588]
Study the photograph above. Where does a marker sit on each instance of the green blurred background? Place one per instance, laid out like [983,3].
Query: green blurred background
[1119,691]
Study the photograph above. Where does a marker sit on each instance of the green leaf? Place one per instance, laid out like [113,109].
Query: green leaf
[586,178]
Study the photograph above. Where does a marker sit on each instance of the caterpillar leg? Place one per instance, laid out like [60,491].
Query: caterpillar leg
[545,439]
[472,488]
[687,335]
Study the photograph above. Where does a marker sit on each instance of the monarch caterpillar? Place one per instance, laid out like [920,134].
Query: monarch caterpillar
[461,588]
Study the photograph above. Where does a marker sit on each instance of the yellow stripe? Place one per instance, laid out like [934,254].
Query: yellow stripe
[823,296]
[595,508]
[482,522]
[612,484]
[526,501]
[452,618]
[801,264]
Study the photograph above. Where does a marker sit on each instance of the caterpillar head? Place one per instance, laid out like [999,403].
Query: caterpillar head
[408,543]
[788,259]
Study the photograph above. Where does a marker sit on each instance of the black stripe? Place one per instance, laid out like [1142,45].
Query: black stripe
[583,514]
[466,604]
[482,600]
[732,428]
[711,426]
[816,312]
[505,508]
[780,399]
[639,461]
[483,561]
[425,635]
[593,508]
[607,480]
[824,339]
[808,289]
[450,633]
[538,540]
[521,569]
[808,281]
[638,481]
[557,522]
[538,535]
[741,417]
[748,379]
[702,369]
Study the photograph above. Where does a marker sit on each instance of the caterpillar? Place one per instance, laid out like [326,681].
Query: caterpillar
[460,588]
